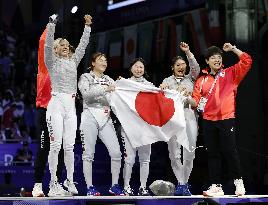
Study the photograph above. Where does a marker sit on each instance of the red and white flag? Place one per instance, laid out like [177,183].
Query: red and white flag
[147,114]
[130,44]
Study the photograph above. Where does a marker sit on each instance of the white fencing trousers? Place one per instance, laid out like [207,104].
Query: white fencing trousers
[89,131]
[62,124]
[144,153]
[183,170]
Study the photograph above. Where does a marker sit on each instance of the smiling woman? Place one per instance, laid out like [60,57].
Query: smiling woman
[61,47]
[62,67]
[95,88]
[183,84]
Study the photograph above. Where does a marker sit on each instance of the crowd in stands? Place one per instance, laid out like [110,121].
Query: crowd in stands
[18,67]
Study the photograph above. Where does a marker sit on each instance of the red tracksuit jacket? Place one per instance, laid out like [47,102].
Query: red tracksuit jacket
[221,101]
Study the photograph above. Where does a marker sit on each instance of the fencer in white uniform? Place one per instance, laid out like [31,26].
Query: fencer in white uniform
[137,71]
[61,115]
[95,88]
[183,84]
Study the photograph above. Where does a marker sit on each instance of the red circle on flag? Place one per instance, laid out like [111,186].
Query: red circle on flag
[154,108]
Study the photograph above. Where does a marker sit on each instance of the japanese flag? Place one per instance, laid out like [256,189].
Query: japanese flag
[147,114]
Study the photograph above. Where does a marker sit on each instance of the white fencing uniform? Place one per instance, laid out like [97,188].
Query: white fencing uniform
[96,121]
[144,152]
[61,115]
[183,170]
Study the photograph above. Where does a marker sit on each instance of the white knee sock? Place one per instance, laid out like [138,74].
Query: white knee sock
[87,170]
[127,173]
[53,164]
[115,170]
[144,172]
[69,163]
[187,169]
[178,170]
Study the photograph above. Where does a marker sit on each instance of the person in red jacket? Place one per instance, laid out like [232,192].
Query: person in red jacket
[43,96]
[214,94]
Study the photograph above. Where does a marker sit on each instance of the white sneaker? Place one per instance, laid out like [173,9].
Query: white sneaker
[128,191]
[37,190]
[240,189]
[70,186]
[143,191]
[56,189]
[214,190]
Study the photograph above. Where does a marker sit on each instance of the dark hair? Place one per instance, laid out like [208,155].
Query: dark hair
[213,50]
[135,61]
[94,57]
[174,60]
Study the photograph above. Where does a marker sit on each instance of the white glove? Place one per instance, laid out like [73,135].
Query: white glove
[53,18]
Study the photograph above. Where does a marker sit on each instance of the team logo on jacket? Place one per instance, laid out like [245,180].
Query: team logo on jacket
[222,73]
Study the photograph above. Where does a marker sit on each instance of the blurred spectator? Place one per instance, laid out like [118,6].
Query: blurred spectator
[25,136]
[2,135]
[19,67]
[7,99]
[11,42]
[6,63]
[15,135]
[18,61]
[29,118]
[8,119]
[7,188]
[1,111]
[23,156]
[19,111]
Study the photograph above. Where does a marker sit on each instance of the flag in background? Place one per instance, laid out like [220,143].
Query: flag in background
[266,7]
[175,37]
[198,27]
[115,44]
[157,115]
[214,22]
[130,44]
[145,38]
[101,42]
[172,39]
[161,40]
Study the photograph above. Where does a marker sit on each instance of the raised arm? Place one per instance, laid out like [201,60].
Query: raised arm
[80,50]
[49,41]
[241,68]
[193,64]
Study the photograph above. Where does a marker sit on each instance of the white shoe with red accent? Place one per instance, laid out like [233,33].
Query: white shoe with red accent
[214,190]
[239,187]
[37,190]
